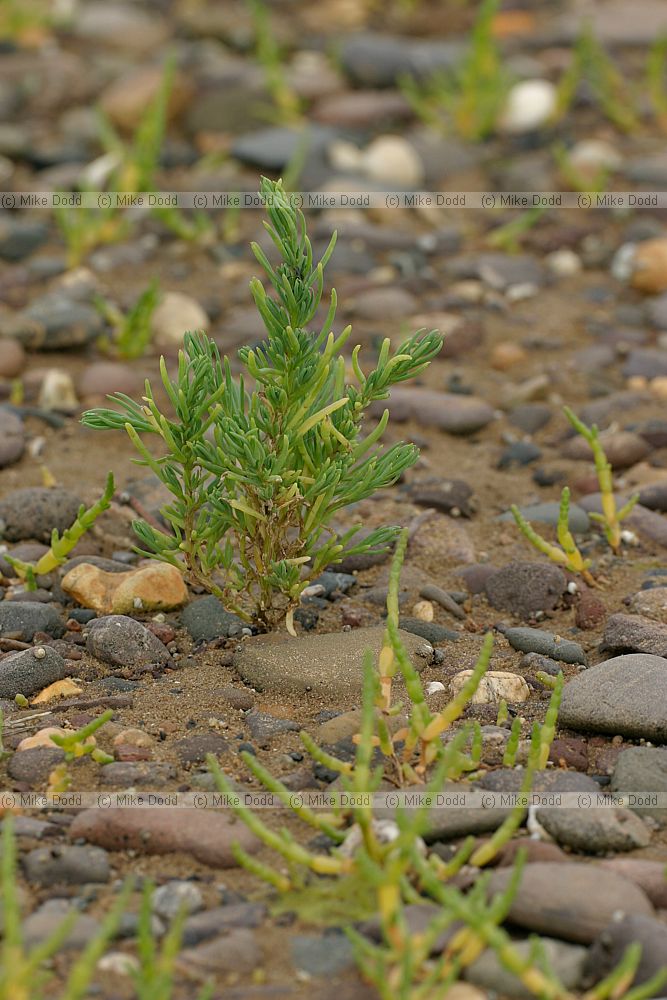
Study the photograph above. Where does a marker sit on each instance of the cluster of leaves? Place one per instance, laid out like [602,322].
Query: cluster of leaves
[257,478]
[24,971]
[567,553]
[470,98]
[79,743]
[380,867]
[61,546]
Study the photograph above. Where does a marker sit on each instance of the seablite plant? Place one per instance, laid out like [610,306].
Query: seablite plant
[258,476]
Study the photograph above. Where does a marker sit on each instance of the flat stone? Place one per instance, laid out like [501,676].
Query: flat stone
[43,923]
[35,511]
[608,949]
[326,665]
[53,322]
[21,619]
[464,811]
[273,147]
[547,513]
[66,864]
[378,60]
[124,642]
[625,695]
[633,633]
[30,670]
[237,951]
[622,448]
[537,640]
[321,955]
[431,631]
[263,727]
[526,587]
[651,604]
[639,774]
[207,836]
[176,896]
[569,901]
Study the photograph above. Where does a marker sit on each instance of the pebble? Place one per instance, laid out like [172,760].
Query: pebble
[651,604]
[21,619]
[476,576]
[654,496]
[647,874]
[590,610]
[206,619]
[124,100]
[526,587]
[238,697]
[646,362]
[444,539]
[195,749]
[264,727]
[53,322]
[378,303]
[237,951]
[104,377]
[566,961]
[569,752]
[362,108]
[632,633]
[537,640]
[35,511]
[431,631]
[30,670]
[176,896]
[47,919]
[609,948]
[448,412]
[12,438]
[568,900]
[207,836]
[648,266]
[530,104]
[124,642]
[451,496]
[519,453]
[209,923]
[139,774]
[454,820]
[495,686]
[530,417]
[334,583]
[12,358]
[156,586]
[626,695]
[33,767]
[121,24]
[175,314]
[328,665]
[622,448]
[640,770]
[325,955]
[391,159]
[68,865]
[379,60]
[547,513]
[20,237]
[595,831]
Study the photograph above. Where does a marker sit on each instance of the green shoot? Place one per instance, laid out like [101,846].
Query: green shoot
[568,554]
[61,546]
[611,517]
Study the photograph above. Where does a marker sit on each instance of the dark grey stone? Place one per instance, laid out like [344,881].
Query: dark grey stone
[526,587]
[35,511]
[206,619]
[537,640]
[30,670]
[68,864]
[21,619]
[124,642]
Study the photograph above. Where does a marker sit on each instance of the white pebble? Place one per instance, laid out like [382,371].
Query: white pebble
[529,105]
[564,263]
[434,686]
[391,159]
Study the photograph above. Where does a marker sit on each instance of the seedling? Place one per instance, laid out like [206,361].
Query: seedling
[509,236]
[575,178]
[568,555]
[591,64]
[84,229]
[611,517]
[257,478]
[61,546]
[80,743]
[131,331]
[471,97]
